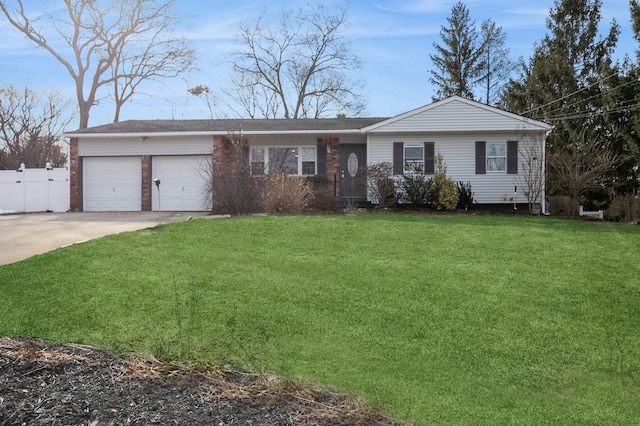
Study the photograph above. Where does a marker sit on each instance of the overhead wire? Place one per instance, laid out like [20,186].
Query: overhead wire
[581,101]
[587,114]
[619,107]
[568,95]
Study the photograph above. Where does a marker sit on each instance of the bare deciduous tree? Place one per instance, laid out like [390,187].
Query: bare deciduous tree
[585,166]
[107,44]
[230,186]
[531,169]
[299,69]
[498,65]
[203,91]
[31,128]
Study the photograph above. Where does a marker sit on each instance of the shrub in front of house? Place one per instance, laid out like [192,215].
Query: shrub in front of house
[415,185]
[443,193]
[624,208]
[381,187]
[234,191]
[286,194]
[465,195]
[324,198]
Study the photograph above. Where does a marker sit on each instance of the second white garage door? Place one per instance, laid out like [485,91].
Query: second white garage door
[111,184]
[183,183]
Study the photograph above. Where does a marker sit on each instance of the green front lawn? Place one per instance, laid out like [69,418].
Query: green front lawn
[437,319]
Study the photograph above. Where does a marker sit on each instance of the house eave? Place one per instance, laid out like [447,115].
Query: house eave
[455,132]
[209,133]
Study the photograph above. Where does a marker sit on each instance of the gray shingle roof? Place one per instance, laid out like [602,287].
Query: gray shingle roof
[231,125]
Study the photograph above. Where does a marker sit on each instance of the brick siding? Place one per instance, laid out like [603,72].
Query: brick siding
[74,176]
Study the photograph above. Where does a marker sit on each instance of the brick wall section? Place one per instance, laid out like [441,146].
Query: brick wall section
[219,149]
[74,176]
[146,183]
[224,157]
[333,162]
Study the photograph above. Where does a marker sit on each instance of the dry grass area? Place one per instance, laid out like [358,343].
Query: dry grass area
[48,383]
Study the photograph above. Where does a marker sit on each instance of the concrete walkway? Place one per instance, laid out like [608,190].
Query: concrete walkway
[25,235]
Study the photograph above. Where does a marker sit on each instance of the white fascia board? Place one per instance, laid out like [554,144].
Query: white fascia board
[298,132]
[220,133]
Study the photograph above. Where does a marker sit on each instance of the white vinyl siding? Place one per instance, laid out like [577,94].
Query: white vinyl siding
[458,152]
[154,145]
[459,115]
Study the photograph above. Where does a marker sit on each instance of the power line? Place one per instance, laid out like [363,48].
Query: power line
[559,109]
[630,108]
[569,95]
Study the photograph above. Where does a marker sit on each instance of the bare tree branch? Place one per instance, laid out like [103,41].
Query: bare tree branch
[299,69]
[117,44]
[31,128]
[531,168]
[584,166]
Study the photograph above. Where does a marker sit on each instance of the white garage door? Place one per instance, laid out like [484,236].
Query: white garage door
[182,183]
[112,184]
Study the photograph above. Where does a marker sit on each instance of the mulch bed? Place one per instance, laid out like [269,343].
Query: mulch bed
[44,383]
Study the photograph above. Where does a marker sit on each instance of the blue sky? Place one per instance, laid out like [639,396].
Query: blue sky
[393,38]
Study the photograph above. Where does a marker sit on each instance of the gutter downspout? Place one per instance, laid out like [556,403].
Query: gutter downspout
[543,201]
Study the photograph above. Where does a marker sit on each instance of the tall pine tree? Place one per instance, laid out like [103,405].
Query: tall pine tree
[458,62]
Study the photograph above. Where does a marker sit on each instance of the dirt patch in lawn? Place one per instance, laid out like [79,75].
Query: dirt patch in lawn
[46,383]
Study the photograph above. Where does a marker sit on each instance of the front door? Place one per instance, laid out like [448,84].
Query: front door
[353,171]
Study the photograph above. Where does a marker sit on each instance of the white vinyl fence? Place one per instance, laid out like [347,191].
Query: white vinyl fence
[34,190]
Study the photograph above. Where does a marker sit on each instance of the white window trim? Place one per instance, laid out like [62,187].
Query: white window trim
[299,149]
[488,157]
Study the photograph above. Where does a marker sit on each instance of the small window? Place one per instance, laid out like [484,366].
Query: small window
[308,161]
[496,157]
[413,157]
[257,161]
[283,161]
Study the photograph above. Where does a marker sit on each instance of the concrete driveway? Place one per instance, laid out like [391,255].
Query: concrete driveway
[25,235]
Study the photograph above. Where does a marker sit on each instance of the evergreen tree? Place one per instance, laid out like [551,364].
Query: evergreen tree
[565,81]
[622,118]
[622,111]
[562,83]
[458,62]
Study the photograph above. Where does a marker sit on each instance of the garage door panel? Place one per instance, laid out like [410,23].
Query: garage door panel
[112,184]
[183,181]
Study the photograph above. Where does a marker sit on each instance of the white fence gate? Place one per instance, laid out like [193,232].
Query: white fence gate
[34,190]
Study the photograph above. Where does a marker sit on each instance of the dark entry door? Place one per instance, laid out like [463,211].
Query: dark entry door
[353,169]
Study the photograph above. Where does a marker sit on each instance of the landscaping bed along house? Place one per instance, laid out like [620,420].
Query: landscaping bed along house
[46,383]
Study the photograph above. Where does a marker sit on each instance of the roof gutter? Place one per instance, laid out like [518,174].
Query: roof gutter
[211,133]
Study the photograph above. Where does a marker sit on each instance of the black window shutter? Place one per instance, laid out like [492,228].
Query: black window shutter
[245,154]
[512,157]
[429,158]
[481,158]
[322,158]
[398,158]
